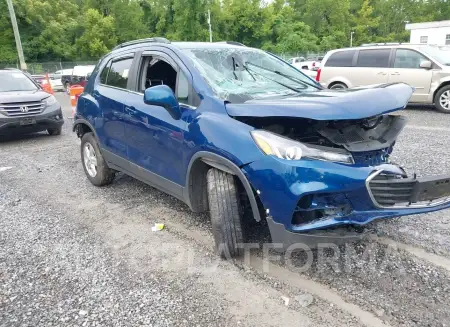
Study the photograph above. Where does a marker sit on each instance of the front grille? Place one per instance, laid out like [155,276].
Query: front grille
[22,108]
[389,190]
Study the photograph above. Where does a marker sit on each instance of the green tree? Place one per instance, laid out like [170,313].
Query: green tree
[98,35]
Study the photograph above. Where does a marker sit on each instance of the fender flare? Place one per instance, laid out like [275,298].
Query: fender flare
[219,162]
[85,122]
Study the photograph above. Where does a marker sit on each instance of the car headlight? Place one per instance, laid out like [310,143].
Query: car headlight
[283,148]
[51,100]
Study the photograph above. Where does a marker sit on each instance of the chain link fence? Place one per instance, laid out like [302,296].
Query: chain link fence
[38,68]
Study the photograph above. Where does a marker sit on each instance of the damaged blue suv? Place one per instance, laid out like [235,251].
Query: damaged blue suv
[233,130]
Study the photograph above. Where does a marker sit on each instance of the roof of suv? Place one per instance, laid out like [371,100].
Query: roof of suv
[179,45]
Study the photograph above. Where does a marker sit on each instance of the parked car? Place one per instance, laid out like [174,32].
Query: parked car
[25,107]
[426,68]
[78,76]
[241,134]
[312,63]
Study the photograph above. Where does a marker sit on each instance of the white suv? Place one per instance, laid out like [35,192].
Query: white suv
[426,68]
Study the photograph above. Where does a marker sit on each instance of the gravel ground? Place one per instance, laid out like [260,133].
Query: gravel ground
[75,255]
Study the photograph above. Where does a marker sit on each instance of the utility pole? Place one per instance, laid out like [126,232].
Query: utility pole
[209,23]
[351,38]
[12,14]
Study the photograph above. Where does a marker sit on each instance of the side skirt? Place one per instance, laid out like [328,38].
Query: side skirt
[118,163]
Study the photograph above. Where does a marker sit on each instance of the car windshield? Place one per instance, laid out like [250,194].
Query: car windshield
[15,81]
[248,73]
[442,55]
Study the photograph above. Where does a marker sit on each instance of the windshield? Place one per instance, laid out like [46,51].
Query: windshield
[248,73]
[442,55]
[15,81]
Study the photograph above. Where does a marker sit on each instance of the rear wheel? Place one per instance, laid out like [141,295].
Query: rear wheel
[442,99]
[226,215]
[95,167]
[338,86]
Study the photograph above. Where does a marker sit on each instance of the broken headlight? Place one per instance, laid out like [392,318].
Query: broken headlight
[283,148]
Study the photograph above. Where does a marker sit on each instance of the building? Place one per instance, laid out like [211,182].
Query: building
[437,33]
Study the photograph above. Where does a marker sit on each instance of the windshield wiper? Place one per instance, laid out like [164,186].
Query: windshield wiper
[279,83]
[285,75]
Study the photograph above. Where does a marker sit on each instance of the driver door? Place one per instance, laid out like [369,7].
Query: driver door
[406,69]
[156,140]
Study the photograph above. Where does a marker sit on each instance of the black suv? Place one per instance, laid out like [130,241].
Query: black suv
[25,107]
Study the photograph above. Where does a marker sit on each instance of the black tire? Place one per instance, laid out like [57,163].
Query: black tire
[55,131]
[338,86]
[437,98]
[104,175]
[226,216]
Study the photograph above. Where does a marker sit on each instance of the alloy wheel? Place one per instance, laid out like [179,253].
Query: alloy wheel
[90,159]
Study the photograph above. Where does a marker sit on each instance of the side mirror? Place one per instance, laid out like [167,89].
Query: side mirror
[426,64]
[88,75]
[163,96]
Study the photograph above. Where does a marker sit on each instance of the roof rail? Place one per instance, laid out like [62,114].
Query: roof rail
[381,44]
[150,39]
[232,43]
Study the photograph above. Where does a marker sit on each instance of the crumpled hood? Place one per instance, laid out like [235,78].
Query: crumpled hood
[23,96]
[355,103]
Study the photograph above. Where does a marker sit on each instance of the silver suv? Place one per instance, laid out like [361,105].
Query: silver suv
[426,68]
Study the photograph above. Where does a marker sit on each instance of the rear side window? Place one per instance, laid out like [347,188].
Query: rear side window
[104,73]
[116,72]
[373,58]
[341,59]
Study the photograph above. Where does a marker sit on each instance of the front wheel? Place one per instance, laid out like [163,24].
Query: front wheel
[95,167]
[226,215]
[55,131]
[442,99]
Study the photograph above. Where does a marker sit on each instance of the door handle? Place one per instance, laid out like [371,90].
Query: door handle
[130,110]
[396,73]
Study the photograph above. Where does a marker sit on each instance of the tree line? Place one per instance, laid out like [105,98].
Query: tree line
[71,30]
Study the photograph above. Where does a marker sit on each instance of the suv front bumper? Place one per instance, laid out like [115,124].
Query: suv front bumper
[51,117]
[337,195]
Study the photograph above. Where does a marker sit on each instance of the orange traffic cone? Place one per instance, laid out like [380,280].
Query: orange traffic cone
[46,86]
[75,92]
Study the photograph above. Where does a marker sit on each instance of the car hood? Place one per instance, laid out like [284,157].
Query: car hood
[23,96]
[354,103]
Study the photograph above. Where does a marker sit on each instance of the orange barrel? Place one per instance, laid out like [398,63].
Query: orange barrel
[75,92]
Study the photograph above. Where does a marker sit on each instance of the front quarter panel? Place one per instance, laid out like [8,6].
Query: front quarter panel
[214,131]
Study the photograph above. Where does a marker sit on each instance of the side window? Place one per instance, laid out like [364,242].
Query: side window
[182,88]
[104,73]
[118,73]
[341,59]
[405,58]
[374,58]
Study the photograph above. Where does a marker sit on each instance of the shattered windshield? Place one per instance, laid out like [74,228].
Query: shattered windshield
[248,73]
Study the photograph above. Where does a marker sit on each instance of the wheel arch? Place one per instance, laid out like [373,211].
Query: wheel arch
[195,189]
[82,126]
[443,84]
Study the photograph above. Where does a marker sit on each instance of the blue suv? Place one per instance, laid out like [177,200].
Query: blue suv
[238,132]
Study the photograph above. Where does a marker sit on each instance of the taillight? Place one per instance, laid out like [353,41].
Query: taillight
[318,74]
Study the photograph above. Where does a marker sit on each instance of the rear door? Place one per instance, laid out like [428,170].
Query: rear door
[406,69]
[110,94]
[372,67]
